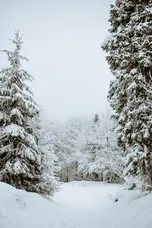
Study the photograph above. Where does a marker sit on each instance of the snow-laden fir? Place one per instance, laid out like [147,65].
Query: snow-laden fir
[130,59]
[23,162]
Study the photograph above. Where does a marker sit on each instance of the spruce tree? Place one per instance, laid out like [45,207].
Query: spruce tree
[21,163]
[129,49]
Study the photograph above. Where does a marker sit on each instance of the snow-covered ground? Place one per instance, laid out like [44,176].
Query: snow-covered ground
[77,205]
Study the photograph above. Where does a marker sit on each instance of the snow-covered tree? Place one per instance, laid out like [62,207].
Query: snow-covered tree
[21,161]
[90,139]
[65,145]
[111,158]
[130,59]
[100,157]
[41,129]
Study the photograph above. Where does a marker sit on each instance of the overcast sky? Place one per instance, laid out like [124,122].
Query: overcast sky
[62,39]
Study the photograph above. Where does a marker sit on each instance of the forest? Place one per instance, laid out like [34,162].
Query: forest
[112,147]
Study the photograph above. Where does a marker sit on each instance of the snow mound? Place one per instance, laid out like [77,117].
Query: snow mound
[77,205]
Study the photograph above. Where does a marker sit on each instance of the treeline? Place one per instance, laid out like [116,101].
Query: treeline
[86,149]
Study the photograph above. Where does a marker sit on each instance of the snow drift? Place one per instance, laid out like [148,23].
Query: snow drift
[77,205]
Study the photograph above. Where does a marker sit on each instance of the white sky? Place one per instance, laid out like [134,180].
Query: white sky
[62,39]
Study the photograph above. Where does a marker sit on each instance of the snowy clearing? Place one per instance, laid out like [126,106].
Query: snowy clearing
[76,205]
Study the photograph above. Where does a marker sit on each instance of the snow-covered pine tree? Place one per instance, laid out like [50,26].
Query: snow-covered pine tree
[21,163]
[130,58]
[66,148]
[89,140]
[111,159]
[41,128]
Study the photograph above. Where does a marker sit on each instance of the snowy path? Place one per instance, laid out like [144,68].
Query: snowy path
[84,202]
[77,205]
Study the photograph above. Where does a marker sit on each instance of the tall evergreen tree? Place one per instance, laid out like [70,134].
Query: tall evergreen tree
[129,49]
[21,163]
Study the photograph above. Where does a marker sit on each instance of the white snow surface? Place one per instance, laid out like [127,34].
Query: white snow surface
[76,205]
